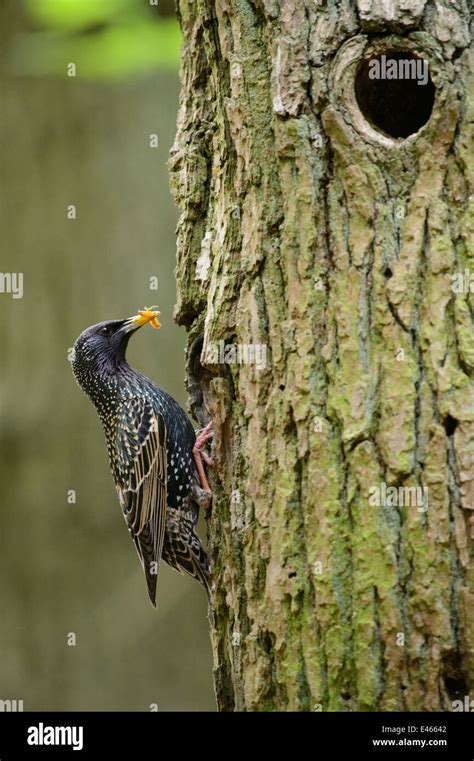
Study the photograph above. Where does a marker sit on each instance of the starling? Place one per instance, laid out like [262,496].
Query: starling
[154,455]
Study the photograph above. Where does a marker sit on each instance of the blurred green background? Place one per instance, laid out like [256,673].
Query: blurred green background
[72,567]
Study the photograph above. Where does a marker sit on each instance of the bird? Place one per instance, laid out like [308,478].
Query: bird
[155,457]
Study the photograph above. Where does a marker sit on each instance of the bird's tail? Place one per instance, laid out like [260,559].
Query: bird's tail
[184,552]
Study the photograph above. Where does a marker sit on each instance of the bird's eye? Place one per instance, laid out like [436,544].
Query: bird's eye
[104,331]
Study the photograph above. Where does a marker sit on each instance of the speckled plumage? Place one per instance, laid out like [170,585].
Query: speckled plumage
[150,446]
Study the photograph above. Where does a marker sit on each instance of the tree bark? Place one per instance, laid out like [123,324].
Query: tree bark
[310,231]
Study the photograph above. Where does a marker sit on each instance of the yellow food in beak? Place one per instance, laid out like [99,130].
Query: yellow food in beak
[147,314]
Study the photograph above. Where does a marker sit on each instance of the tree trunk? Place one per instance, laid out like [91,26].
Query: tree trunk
[324,215]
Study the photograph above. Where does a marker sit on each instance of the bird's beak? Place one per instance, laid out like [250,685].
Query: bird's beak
[145,315]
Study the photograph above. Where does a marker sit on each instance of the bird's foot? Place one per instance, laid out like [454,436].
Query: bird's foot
[201,455]
[201,497]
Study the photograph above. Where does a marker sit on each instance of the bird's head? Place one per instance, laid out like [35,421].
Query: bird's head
[101,348]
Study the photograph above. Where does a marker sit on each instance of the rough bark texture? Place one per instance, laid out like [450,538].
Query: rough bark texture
[307,230]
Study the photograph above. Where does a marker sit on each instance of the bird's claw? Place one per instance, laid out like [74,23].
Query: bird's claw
[204,434]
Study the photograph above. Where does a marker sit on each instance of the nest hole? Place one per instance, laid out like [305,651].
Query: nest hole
[395,92]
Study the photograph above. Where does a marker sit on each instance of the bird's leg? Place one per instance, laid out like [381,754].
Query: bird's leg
[199,454]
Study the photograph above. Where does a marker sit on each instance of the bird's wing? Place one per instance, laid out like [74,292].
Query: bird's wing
[141,482]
